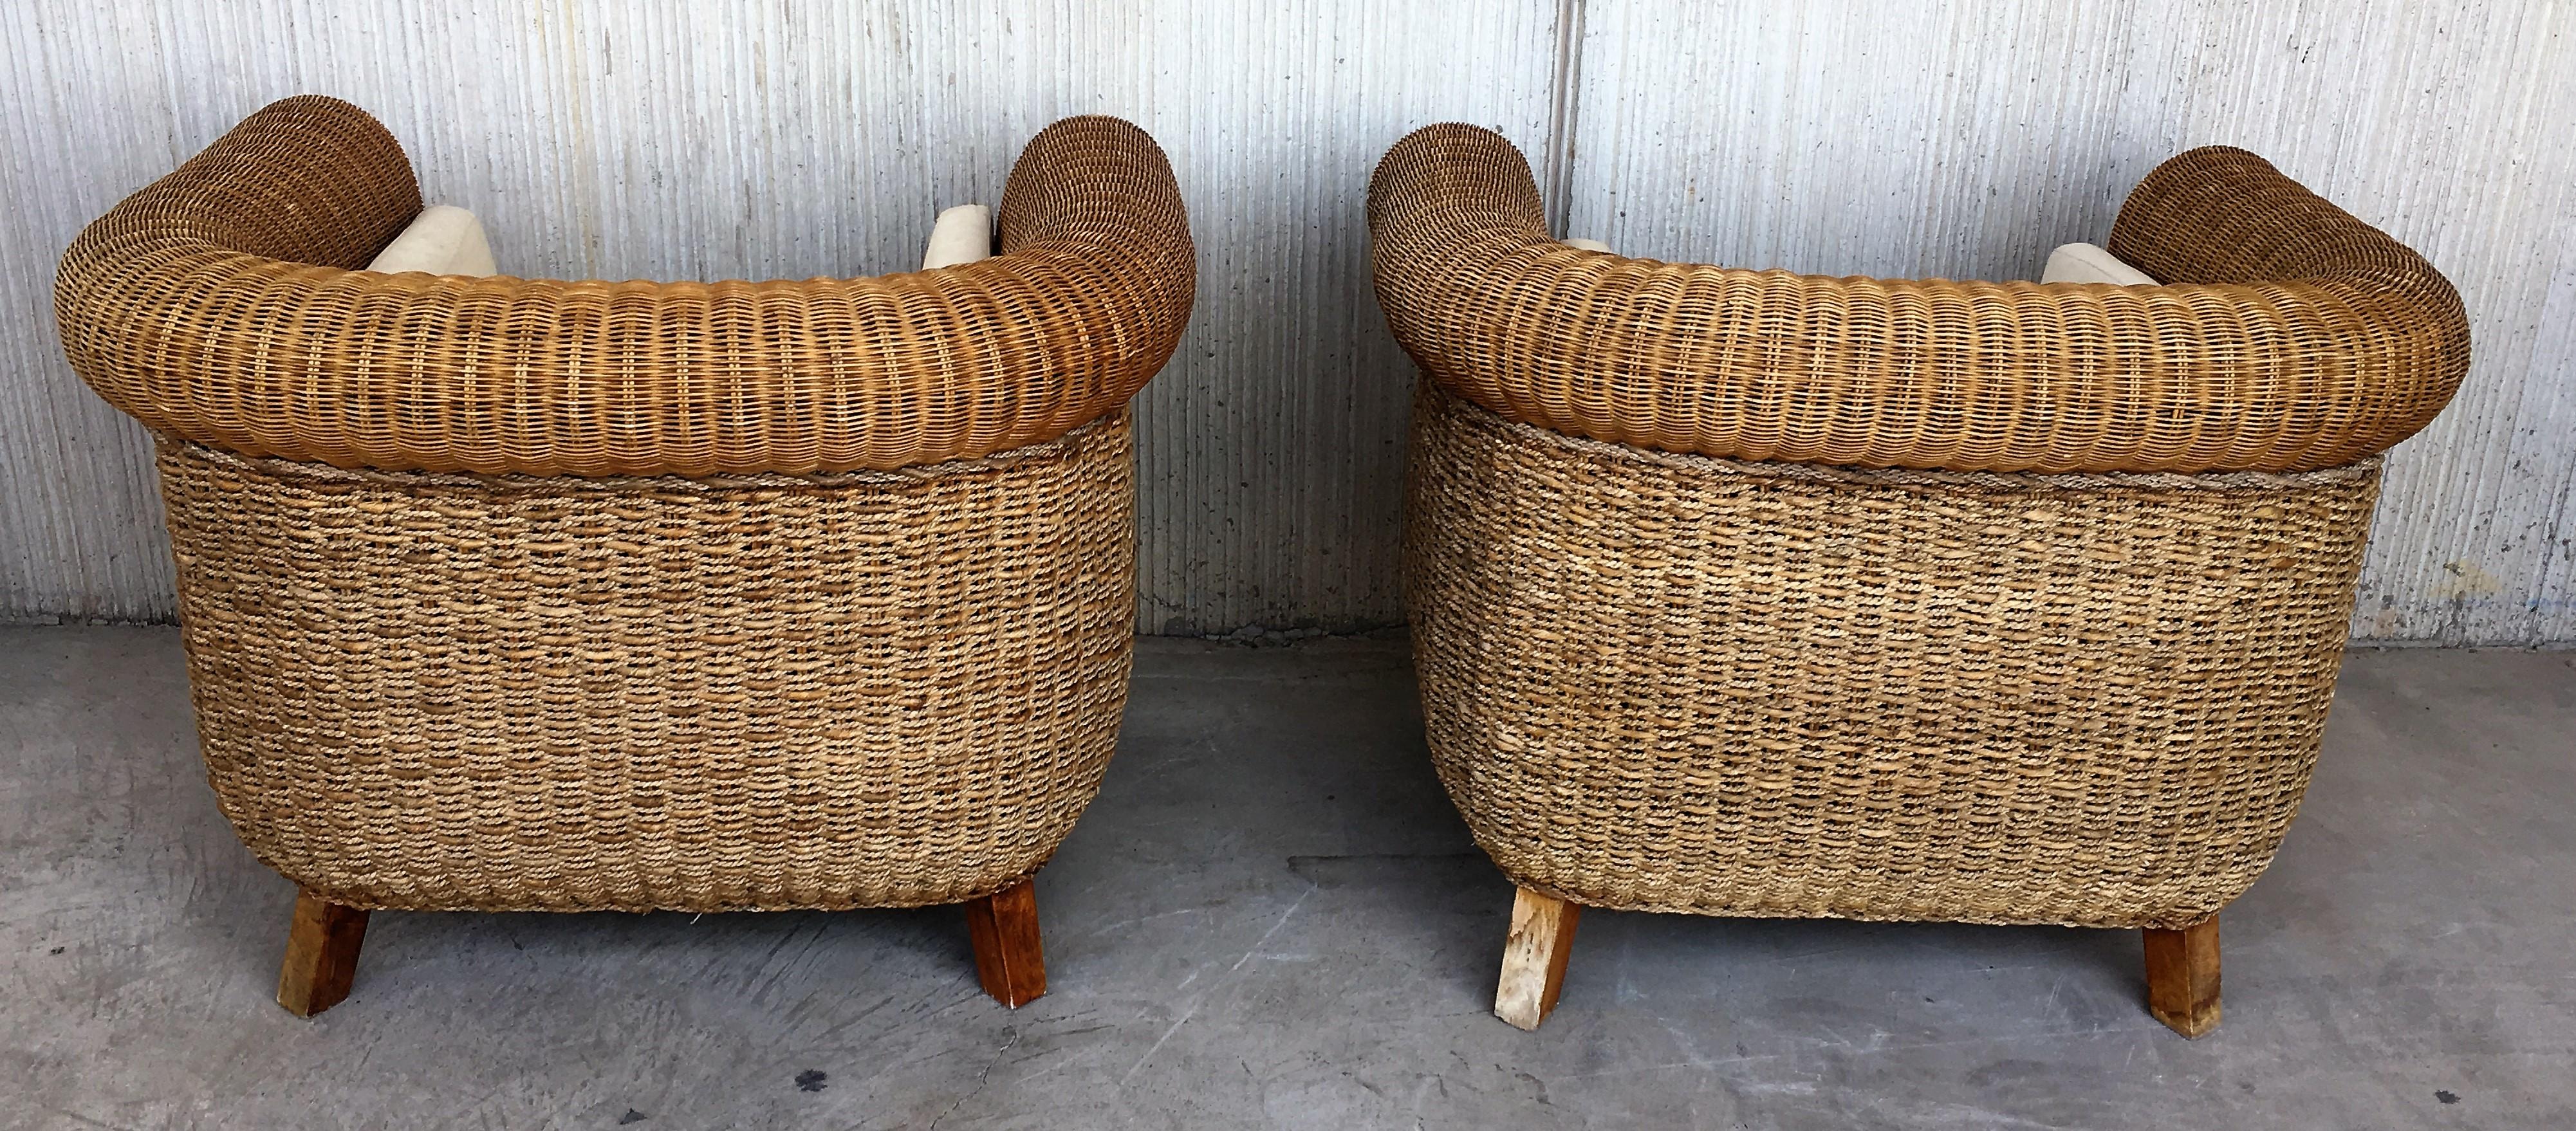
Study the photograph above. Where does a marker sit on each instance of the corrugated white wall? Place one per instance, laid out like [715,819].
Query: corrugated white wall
[688,140]
[1964,140]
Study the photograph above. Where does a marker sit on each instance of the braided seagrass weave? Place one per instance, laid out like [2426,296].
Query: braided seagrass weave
[517,594]
[2293,336]
[1676,683]
[877,688]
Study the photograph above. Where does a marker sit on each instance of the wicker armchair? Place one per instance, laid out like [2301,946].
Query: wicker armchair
[521,594]
[1753,593]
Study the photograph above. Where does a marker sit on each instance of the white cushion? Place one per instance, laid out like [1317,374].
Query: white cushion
[963,234]
[1588,245]
[442,240]
[2085,263]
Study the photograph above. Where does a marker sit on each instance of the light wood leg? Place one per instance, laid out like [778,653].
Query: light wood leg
[2182,977]
[321,955]
[1534,957]
[1008,955]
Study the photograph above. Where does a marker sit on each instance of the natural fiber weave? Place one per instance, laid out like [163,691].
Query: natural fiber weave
[1675,683]
[578,678]
[217,305]
[2292,336]
[462,692]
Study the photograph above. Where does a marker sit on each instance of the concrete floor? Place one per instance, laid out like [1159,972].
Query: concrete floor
[1273,918]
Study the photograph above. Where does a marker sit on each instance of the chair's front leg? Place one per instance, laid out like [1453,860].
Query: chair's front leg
[2182,977]
[1534,957]
[321,955]
[1008,955]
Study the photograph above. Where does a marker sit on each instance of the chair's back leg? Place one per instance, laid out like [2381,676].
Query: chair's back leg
[2182,977]
[1534,957]
[321,955]
[1008,956]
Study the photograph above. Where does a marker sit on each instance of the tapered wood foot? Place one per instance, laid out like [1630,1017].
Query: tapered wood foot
[2182,977]
[321,955]
[1534,957]
[1008,956]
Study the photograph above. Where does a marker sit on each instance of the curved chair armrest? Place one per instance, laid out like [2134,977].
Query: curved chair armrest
[2318,342]
[218,305]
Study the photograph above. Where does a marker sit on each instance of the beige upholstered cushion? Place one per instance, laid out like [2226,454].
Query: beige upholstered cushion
[963,234]
[1588,245]
[442,240]
[2086,263]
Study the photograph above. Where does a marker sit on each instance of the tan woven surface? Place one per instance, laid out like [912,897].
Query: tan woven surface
[445,691]
[2295,337]
[1675,683]
[638,595]
[217,305]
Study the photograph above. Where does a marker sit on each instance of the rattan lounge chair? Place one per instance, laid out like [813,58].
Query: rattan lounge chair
[522,594]
[1753,593]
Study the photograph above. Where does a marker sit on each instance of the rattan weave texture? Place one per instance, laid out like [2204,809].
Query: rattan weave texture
[2292,336]
[218,305]
[1669,682]
[523,594]
[749,692]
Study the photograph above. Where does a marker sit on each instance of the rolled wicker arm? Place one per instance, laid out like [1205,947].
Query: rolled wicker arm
[219,305]
[2290,336]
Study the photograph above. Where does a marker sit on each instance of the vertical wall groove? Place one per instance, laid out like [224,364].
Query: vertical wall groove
[1564,100]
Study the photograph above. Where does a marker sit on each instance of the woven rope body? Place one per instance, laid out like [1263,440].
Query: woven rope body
[441,691]
[1672,682]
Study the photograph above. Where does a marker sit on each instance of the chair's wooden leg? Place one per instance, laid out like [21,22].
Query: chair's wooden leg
[321,955]
[2182,977]
[1008,956]
[1534,957]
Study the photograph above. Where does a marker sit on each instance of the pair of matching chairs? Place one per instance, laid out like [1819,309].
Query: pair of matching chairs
[1733,592]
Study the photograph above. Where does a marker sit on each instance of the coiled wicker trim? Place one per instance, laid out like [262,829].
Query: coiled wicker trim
[2290,336]
[1674,683]
[218,305]
[765,692]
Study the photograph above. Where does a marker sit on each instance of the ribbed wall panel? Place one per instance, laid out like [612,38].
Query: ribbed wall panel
[671,140]
[1965,140]
[600,138]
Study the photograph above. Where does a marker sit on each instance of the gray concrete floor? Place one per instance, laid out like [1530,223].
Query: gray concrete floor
[1273,918]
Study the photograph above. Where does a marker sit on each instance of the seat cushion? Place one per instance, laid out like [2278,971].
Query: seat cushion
[962,234]
[2087,263]
[442,240]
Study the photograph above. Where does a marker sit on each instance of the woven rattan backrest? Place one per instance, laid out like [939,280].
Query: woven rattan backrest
[218,304]
[2291,336]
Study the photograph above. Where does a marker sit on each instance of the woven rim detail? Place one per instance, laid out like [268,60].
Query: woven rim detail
[220,304]
[2289,336]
